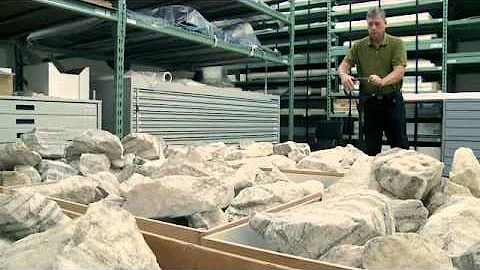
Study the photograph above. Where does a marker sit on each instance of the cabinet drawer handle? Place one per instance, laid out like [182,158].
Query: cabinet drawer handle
[25,121]
[25,107]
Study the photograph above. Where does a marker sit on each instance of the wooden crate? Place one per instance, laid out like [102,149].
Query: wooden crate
[244,241]
[176,254]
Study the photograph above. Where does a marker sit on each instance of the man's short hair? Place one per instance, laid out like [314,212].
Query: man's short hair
[375,11]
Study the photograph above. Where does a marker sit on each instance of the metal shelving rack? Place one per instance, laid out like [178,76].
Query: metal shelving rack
[212,50]
[438,45]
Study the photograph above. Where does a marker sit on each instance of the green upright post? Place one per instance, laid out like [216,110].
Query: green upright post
[119,66]
[445,46]
[291,73]
[329,58]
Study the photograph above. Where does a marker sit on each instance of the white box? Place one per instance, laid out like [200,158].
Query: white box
[47,79]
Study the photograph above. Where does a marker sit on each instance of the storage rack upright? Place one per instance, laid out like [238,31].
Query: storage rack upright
[435,48]
[191,49]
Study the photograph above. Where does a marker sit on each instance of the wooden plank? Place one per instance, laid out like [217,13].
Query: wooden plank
[175,254]
[270,256]
[100,3]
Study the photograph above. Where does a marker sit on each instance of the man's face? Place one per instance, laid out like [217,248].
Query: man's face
[376,27]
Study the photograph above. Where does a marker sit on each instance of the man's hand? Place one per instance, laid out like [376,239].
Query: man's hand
[347,82]
[376,80]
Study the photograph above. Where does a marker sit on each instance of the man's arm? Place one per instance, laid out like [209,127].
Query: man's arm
[344,70]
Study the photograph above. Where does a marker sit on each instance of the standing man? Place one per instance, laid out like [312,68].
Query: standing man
[381,61]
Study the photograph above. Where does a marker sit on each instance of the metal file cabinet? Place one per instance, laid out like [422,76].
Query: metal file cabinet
[22,114]
[183,114]
[461,127]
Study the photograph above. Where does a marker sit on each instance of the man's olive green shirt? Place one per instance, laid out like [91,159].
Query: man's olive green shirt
[372,61]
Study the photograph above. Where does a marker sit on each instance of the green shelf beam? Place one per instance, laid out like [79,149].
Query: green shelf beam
[291,73]
[463,58]
[466,23]
[265,9]
[407,7]
[423,45]
[81,8]
[119,65]
[400,25]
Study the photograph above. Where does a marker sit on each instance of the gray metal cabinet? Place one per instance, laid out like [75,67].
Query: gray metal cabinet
[183,114]
[22,114]
[461,128]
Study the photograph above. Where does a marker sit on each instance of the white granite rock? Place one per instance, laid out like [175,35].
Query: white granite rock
[30,172]
[407,174]
[456,227]
[270,176]
[259,149]
[262,197]
[12,154]
[14,178]
[4,244]
[179,166]
[55,170]
[143,145]
[128,169]
[107,183]
[404,251]
[24,213]
[134,180]
[207,220]
[470,260]
[312,187]
[312,230]
[466,170]
[456,189]
[338,159]
[292,150]
[235,154]
[93,163]
[281,162]
[348,255]
[212,151]
[95,142]
[179,195]
[49,143]
[106,237]
[409,215]
[76,188]
[174,150]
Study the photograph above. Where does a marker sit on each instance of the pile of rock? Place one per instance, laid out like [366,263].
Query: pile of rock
[208,185]
[392,211]
[106,237]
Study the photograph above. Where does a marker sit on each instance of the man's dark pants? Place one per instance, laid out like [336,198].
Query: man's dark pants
[384,114]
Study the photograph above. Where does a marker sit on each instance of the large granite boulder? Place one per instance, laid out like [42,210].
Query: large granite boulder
[95,142]
[24,213]
[338,159]
[278,161]
[312,230]
[177,196]
[49,143]
[134,180]
[407,174]
[207,220]
[409,215]
[466,170]
[348,255]
[404,251]
[93,163]
[106,237]
[12,154]
[294,151]
[470,260]
[55,170]
[32,174]
[129,167]
[259,149]
[15,178]
[262,197]
[106,182]
[143,145]
[456,227]
[76,188]
[456,189]
[179,166]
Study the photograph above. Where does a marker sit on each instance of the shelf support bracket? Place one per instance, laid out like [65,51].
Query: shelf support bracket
[120,65]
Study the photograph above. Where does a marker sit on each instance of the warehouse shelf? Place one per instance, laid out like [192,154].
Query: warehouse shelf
[303,112]
[390,9]
[423,45]
[317,26]
[463,58]
[38,15]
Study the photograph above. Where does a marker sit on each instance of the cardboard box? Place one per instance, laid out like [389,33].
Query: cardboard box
[47,79]
[7,80]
